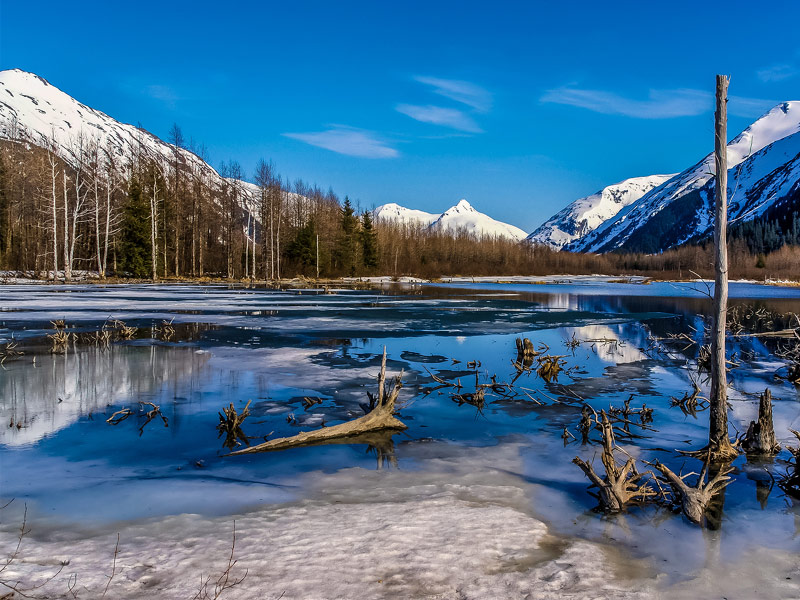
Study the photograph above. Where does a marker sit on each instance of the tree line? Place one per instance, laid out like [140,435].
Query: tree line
[141,214]
[166,214]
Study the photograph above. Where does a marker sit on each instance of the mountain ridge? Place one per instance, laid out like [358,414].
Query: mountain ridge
[459,217]
[683,201]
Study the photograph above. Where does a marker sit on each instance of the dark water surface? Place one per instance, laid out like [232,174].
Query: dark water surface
[275,348]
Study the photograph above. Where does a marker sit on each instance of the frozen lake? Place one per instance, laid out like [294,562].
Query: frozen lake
[479,502]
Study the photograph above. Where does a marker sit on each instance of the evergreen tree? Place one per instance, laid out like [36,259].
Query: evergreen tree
[303,248]
[369,242]
[135,235]
[347,246]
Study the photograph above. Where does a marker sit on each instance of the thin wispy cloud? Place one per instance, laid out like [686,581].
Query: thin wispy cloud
[163,93]
[659,104]
[750,108]
[778,73]
[439,115]
[464,92]
[348,141]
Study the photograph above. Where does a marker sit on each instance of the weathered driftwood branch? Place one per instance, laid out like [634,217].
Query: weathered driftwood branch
[230,423]
[119,416]
[689,402]
[378,419]
[152,414]
[621,484]
[760,436]
[9,351]
[695,500]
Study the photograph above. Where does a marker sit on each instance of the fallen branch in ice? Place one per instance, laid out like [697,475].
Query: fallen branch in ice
[152,414]
[119,416]
[689,402]
[380,418]
[9,351]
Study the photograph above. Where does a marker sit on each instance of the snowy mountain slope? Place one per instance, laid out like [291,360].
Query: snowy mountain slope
[399,214]
[587,214]
[674,212]
[754,186]
[32,109]
[461,217]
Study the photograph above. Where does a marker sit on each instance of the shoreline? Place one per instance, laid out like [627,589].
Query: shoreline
[92,278]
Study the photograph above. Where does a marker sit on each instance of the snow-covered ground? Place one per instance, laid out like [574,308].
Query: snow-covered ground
[463,529]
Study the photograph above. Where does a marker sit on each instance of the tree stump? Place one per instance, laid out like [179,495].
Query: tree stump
[621,484]
[760,436]
[695,500]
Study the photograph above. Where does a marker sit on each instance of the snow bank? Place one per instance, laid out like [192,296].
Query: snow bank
[456,531]
[462,529]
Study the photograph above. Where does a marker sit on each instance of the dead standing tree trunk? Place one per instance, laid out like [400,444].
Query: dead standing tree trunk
[760,436]
[718,441]
[380,418]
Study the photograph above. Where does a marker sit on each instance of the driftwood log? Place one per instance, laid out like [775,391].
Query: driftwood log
[760,436]
[695,500]
[621,484]
[380,418]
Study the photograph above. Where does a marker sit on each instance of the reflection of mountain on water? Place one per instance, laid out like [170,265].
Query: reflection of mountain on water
[611,345]
[62,388]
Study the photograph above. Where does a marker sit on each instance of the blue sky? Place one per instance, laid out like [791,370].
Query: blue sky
[520,107]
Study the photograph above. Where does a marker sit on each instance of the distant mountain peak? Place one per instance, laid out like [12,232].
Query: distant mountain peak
[460,217]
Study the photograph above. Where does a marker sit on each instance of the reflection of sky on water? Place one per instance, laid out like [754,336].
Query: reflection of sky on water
[275,348]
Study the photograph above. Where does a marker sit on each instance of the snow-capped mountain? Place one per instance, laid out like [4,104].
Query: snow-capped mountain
[763,169]
[400,214]
[586,214]
[32,109]
[461,217]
